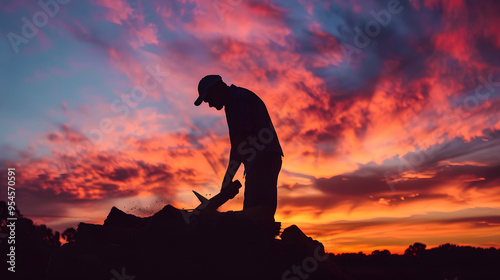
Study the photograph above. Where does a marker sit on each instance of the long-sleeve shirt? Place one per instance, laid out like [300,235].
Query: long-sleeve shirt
[251,130]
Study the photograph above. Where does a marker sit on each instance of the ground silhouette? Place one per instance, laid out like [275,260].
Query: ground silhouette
[218,246]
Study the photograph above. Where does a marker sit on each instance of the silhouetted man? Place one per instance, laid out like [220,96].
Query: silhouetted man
[253,141]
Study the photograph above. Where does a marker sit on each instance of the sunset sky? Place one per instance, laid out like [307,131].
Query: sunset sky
[387,112]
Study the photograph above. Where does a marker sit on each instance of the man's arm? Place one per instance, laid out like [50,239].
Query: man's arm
[235,158]
[232,167]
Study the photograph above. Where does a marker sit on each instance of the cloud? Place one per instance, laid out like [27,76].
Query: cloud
[397,234]
[459,172]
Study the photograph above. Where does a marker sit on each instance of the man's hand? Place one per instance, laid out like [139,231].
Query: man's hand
[231,190]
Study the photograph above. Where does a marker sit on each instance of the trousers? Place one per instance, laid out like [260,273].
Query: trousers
[261,181]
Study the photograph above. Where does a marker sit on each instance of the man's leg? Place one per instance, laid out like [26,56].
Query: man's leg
[261,182]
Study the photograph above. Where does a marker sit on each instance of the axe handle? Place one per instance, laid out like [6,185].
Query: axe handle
[226,194]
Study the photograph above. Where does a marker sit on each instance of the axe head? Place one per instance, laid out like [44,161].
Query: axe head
[200,197]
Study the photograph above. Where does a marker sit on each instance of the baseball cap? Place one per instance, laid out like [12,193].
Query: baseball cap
[204,85]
